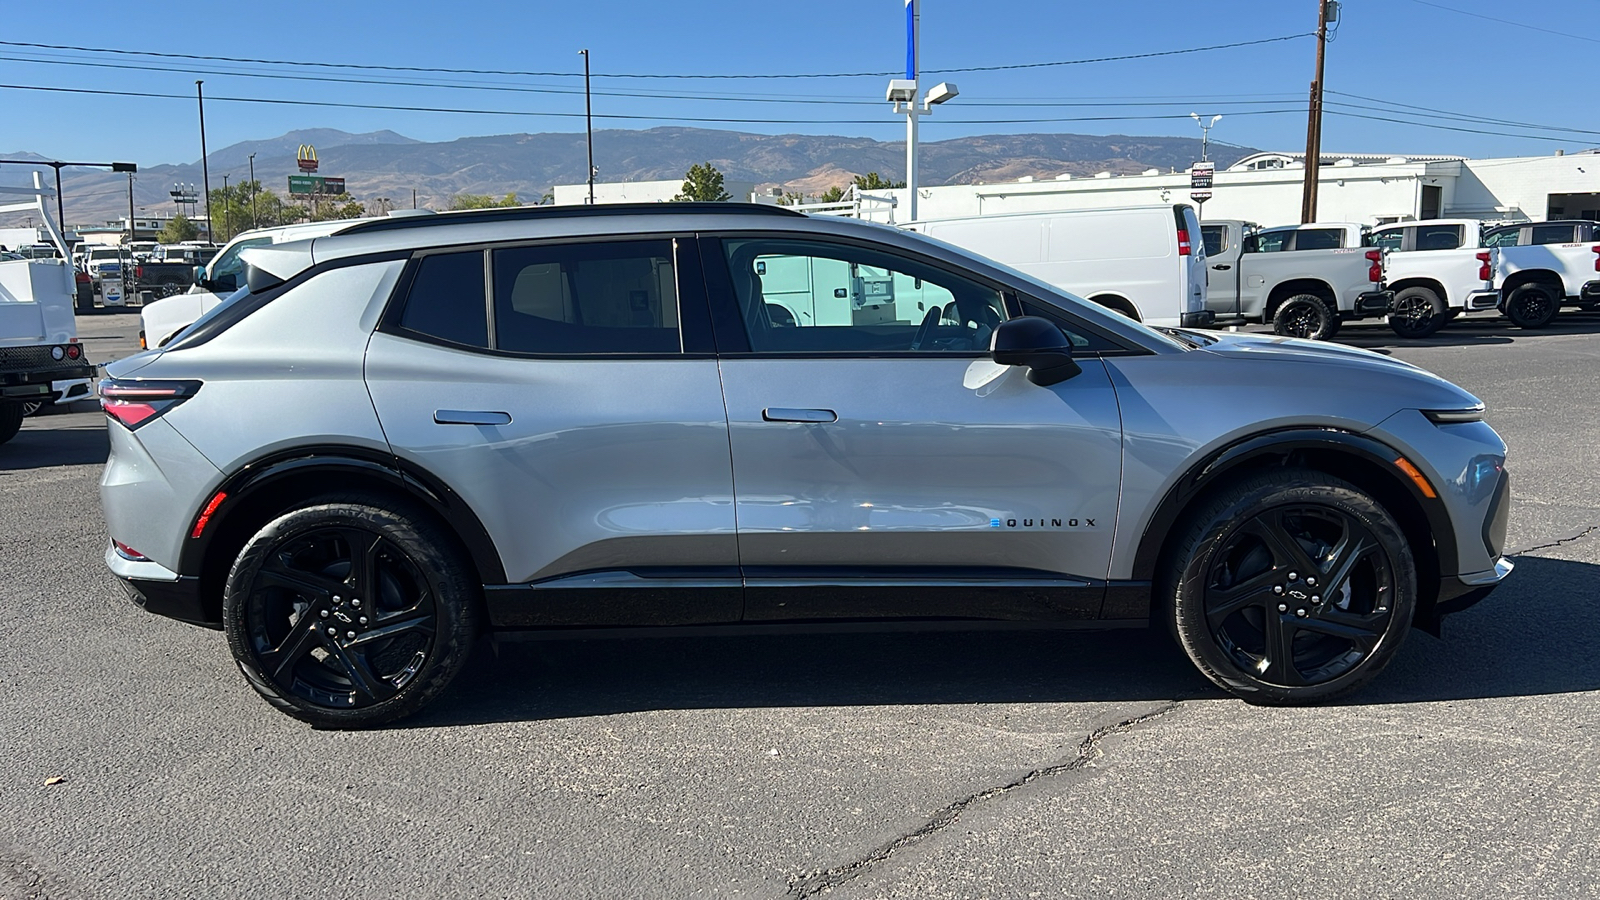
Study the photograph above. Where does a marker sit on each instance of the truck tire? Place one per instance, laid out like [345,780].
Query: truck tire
[1417,312]
[1532,306]
[10,420]
[1305,316]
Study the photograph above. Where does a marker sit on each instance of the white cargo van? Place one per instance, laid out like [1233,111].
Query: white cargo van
[1146,262]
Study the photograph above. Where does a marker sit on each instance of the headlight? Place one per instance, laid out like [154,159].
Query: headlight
[1454,416]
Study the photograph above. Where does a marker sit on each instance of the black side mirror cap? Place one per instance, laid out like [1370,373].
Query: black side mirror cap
[1039,345]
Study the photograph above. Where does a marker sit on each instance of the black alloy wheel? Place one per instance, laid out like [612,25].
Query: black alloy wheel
[1417,313]
[1305,316]
[346,614]
[1532,306]
[1294,589]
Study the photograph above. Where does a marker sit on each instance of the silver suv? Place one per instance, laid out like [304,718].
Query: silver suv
[721,416]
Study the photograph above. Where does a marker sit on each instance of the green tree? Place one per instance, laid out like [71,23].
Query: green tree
[791,198]
[178,228]
[703,182]
[834,194]
[482,201]
[872,181]
[246,206]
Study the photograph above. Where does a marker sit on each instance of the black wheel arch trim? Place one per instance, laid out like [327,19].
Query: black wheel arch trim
[1283,444]
[259,474]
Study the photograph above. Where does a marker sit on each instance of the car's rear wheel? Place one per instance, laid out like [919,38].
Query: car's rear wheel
[1292,587]
[1532,306]
[1305,316]
[1417,312]
[351,612]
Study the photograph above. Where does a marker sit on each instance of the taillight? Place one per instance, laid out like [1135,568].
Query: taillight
[1375,271]
[1596,258]
[74,351]
[1184,247]
[134,402]
[1485,272]
[126,552]
[138,271]
[82,278]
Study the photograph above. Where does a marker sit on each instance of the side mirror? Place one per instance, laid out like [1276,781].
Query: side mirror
[199,273]
[1038,344]
[1249,245]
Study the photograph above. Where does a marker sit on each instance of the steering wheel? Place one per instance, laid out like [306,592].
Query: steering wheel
[926,328]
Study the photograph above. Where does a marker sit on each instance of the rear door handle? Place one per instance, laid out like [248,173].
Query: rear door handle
[814,416]
[470,417]
[1222,268]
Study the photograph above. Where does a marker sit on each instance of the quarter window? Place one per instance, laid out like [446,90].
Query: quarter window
[604,298]
[447,300]
[802,296]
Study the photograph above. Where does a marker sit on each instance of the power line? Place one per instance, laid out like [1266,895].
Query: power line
[1460,117]
[1462,12]
[537,114]
[1534,137]
[452,71]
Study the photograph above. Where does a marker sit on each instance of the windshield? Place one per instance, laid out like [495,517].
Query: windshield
[228,262]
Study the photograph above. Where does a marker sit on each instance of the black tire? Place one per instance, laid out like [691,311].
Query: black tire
[1417,312]
[1532,306]
[10,420]
[1305,316]
[1233,600]
[389,653]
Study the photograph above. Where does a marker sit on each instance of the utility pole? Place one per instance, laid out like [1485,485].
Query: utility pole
[413,198]
[130,213]
[588,121]
[205,171]
[227,207]
[1308,203]
[253,191]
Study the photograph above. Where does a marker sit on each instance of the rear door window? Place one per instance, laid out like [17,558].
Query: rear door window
[1553,234]
[1215,238]
[1438,237]
[617,297]
[1319,239]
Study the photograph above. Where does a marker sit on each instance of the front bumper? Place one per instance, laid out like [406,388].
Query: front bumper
[1374,303]
[1463,591]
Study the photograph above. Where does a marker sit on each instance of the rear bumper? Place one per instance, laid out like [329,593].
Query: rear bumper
[1590,292]
[160,590]
[30,383]
[1374,303]
[1481,300]
[1204,318]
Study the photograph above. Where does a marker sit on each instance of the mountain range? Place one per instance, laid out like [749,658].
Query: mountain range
[383,164]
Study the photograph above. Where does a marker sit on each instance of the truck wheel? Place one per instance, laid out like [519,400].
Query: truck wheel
[1417,312]
[1532,306]
[10,420]
[1305,316]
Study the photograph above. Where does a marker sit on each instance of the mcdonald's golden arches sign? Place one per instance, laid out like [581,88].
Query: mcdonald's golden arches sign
[307,157]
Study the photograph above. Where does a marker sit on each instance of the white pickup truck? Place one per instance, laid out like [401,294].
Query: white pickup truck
[1305,279]
[1535,281]
[1438,270]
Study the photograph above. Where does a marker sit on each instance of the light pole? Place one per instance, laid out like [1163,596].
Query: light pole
[903,94]
[588,122]
[58,165]
[253,190]
[227,207]
[1205,132]
[130,213]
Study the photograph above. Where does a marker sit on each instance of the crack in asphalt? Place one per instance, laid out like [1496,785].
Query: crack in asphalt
[815,882]
[1577,535]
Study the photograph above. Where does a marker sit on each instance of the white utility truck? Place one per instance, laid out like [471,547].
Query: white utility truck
[38,333]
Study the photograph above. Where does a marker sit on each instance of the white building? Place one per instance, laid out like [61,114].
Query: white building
[1266,188]
[639,191]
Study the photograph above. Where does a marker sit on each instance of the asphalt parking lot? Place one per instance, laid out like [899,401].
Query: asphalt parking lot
[137,763]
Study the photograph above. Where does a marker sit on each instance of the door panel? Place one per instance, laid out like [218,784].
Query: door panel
[954,466]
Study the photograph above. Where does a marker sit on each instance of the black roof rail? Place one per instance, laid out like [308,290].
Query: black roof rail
[534,213]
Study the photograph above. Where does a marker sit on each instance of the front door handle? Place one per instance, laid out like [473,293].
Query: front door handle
[1223,268]
[813,416]
[471,417]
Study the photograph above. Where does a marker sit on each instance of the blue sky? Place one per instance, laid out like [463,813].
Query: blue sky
[1425,53]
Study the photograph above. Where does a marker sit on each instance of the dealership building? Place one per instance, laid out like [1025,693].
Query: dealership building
[1264,188]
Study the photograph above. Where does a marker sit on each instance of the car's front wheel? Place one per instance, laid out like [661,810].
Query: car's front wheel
[350,612]
[1291,587]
